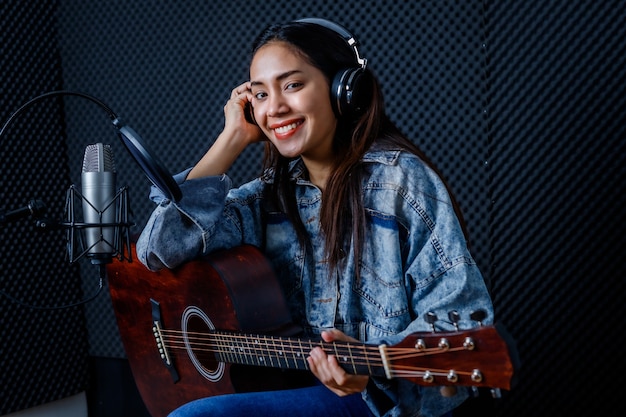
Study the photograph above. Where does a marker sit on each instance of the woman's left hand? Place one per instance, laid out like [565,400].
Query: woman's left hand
[327,370]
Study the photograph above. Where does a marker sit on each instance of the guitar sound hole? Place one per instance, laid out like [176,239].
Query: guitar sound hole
[196,327]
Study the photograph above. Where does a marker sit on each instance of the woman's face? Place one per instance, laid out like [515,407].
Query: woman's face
[291,103]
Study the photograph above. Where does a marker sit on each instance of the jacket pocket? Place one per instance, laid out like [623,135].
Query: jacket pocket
[381,285]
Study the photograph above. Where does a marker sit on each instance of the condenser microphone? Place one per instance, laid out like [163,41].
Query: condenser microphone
[99,206]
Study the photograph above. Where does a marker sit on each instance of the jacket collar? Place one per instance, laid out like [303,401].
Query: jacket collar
[376,154]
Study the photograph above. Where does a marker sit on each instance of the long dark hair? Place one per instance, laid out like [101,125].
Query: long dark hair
[342,215]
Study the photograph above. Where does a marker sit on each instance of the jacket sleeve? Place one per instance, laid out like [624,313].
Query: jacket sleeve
[209,216]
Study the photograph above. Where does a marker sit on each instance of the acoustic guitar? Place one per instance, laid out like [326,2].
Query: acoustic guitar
[220,325]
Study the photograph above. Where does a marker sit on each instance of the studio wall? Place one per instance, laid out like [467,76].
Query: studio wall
[43,343]
[520,104]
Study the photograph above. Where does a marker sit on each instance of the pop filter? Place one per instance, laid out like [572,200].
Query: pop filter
[145,158]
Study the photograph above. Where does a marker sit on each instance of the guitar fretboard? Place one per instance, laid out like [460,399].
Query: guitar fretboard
[289,353]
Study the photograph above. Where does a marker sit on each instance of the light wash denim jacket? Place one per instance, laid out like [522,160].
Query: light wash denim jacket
[415,259]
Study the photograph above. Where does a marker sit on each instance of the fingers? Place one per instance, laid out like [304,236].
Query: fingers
[242,91]
[321,366]
[334,334]
[327,369]
[239,97]
[331,335]
[238,118]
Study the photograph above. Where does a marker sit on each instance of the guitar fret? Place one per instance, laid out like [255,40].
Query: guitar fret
[269,353]
[279,353]
[231,352]
[286,359]
[228,348]
[249,349]
[367,361]
[301,356]
[295,354]
[225,348]
[248,353]
[336,352]
[219,350]
[352,359]
[259,357]
[241,351]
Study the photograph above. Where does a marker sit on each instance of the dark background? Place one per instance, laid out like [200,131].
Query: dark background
[520,104]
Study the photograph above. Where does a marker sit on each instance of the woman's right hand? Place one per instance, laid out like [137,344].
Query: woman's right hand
[237,134]
[235,115]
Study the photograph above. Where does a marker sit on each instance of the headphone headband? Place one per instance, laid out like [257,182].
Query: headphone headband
[341,31]
[350,88]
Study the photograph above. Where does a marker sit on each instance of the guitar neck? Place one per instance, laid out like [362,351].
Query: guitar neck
[291,353]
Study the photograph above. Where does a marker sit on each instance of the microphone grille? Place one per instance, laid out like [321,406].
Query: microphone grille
[98,158]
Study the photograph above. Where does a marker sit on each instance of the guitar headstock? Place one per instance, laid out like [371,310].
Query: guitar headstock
[481,357]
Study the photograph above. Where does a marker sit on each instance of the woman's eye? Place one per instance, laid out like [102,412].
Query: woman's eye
[293,85]
[259,95]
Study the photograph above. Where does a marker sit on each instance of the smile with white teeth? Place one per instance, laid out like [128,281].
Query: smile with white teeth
[286,128]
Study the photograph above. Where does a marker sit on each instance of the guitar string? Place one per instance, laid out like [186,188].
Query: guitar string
[222,343]
[254,345]
[395,371]
[201,338]
[287,354]
[256,339]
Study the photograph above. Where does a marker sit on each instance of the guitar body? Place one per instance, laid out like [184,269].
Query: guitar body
[235,289]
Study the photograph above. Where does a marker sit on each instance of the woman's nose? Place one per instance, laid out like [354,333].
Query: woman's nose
[277,105]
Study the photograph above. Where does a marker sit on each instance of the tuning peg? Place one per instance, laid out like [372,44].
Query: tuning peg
[431,318]
[479,316]
[496,393]
[454,317]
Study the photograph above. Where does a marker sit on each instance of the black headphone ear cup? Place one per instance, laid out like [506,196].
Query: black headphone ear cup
[248,113]
[350,93]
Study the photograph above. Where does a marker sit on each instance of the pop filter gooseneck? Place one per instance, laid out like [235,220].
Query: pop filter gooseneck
[138,149]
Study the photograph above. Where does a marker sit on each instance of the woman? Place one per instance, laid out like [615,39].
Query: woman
[361,230]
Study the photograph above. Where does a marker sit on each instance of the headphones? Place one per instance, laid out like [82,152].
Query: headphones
[347,94]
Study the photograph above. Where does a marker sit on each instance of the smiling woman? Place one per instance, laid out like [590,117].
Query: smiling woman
[292,108]
[361,230]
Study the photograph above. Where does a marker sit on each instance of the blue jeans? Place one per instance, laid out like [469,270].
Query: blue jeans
[315,401]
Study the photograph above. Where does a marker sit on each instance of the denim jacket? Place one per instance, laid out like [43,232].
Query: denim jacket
[415,260]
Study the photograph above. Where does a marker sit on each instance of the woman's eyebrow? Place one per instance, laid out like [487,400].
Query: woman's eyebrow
[280,77]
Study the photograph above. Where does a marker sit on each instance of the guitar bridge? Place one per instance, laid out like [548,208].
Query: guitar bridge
[160,342]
